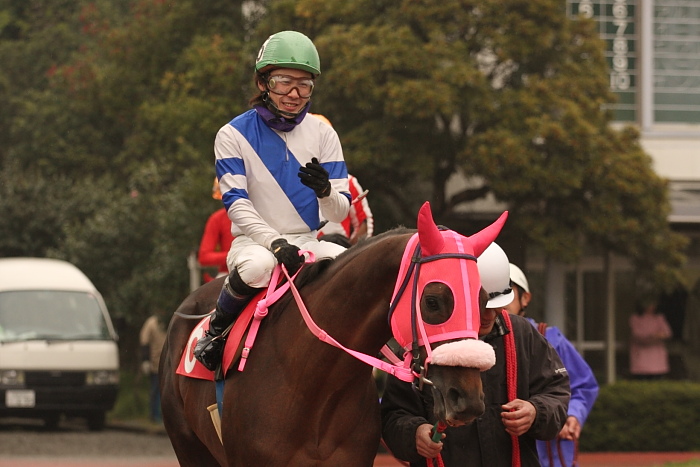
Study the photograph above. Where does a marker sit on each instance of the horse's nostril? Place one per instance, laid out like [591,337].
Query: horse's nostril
[456,400]
[464,406]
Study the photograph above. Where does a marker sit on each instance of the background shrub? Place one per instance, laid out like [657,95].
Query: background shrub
[644,416]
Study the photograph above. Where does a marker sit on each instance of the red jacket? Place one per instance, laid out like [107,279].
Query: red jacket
[216,241]
[359,213]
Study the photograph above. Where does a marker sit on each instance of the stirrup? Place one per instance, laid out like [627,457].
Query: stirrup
[210,353]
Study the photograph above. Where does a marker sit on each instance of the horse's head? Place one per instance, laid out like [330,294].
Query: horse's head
[436,303]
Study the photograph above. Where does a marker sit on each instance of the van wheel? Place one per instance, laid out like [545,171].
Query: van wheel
[96,421]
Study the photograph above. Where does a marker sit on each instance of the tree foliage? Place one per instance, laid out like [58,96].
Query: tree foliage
[111,108]
[512,94]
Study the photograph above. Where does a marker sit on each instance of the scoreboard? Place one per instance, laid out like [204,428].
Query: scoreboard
[674,74]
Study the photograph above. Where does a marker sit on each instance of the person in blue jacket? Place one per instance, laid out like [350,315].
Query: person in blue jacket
[584,386]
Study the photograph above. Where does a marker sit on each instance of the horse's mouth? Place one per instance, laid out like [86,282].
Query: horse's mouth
[451,422]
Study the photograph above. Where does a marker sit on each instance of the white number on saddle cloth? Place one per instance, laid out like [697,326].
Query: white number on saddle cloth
[189,366]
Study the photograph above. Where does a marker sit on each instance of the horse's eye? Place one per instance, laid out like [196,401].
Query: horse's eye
[437,303]
[433,303]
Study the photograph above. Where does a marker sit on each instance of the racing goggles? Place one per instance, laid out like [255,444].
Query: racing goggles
[282,85]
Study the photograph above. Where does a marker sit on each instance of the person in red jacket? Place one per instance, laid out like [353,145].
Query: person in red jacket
[360,222]
[216,239]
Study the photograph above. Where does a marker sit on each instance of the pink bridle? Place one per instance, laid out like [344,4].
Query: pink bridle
[454,267]
[274,293]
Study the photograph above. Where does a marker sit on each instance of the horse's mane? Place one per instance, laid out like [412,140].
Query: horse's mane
[312,271]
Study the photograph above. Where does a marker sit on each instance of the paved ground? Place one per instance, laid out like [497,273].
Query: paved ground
[144,445]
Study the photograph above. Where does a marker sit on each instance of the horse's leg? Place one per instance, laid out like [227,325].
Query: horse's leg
[359,446]
[190,451]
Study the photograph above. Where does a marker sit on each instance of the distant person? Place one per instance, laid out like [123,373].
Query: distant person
[649,333]
[360,222]
[151,339]
[216,239]
[584,386]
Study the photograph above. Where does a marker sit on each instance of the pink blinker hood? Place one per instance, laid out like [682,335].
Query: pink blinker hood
[449,258]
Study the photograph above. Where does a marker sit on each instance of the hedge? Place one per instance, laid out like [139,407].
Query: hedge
[644,416]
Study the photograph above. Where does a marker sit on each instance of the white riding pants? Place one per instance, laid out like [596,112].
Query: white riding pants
[255,262]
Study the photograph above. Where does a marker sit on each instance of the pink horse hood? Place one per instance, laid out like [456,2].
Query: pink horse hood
[450,259]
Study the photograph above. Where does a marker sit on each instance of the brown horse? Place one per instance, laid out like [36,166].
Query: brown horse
[300,401]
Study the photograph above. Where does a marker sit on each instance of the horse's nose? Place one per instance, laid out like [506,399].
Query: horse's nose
[461,409]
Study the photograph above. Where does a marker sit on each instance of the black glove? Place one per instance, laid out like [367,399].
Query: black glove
[315,177]
[287,254]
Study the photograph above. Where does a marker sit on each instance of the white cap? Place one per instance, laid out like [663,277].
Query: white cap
[518,278]
[495,276]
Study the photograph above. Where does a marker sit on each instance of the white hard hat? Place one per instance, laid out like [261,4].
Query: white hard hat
[495,276]
[517,277]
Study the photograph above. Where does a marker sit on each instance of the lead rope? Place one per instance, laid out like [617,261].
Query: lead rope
[511,379]
[440,427]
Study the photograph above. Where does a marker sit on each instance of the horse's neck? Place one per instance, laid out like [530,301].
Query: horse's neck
[352,302]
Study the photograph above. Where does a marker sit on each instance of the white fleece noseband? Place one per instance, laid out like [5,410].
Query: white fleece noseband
[470,353]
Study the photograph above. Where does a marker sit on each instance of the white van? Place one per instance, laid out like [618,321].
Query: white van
[58,349]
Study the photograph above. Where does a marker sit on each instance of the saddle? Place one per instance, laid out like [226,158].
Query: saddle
[233,349]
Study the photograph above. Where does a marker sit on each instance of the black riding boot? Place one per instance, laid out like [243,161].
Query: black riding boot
[229,306]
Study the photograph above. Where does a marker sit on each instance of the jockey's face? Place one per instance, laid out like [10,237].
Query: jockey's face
[292,102]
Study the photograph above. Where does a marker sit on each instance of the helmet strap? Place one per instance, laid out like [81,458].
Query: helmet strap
[276,110]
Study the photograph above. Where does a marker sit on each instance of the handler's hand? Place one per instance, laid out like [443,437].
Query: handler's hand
[571,429]
[425,446]
[518,416]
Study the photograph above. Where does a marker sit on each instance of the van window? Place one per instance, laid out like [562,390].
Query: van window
[50,314]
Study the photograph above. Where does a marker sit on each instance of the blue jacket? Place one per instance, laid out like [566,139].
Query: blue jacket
[584,391]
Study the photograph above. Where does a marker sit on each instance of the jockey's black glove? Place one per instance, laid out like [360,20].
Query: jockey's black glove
[315,177]
[287,254]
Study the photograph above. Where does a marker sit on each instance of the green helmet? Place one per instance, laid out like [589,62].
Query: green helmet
[289,49]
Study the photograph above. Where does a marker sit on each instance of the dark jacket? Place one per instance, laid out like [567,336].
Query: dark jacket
[542,380]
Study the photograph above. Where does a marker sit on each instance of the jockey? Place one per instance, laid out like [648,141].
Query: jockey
[279,169]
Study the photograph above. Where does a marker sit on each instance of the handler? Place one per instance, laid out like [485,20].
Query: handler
[279,169]
[509,424]
[584,387]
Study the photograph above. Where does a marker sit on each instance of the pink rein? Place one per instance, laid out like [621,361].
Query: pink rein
[274,293]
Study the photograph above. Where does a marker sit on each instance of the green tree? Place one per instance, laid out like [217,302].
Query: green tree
[112,108]
[114,143]
[509,94]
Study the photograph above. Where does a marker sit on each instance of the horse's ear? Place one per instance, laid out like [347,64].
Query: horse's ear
[431,241]
[482,239]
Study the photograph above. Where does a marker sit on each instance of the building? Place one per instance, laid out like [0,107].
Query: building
[653,52]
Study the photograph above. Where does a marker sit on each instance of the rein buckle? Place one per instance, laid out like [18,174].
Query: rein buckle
[420,380]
